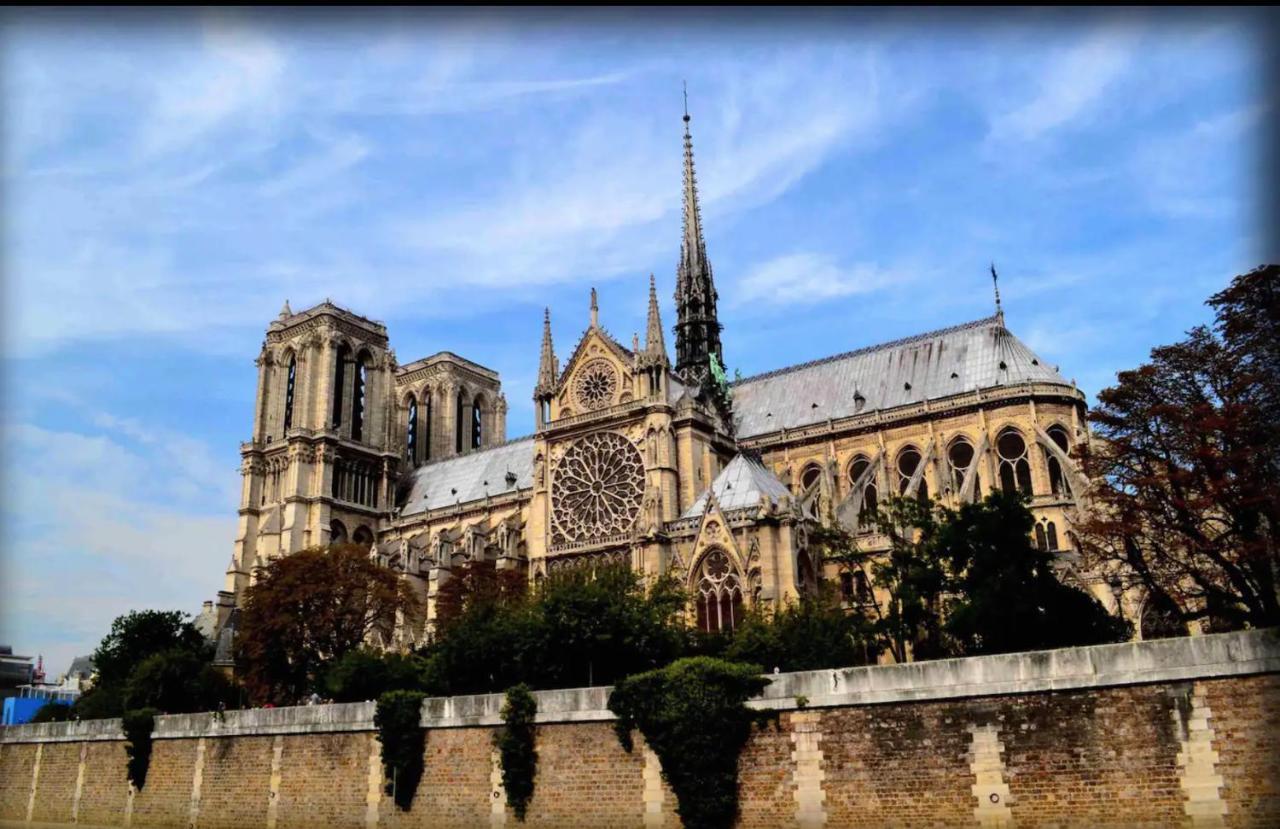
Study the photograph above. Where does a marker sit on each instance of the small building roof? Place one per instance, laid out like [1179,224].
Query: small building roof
[740,484]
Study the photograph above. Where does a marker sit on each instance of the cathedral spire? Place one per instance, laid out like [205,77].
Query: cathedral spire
[548,369]
[595,310]
[654,343]
[697,326]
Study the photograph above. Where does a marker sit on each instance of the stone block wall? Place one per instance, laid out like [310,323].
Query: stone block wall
[1170,733]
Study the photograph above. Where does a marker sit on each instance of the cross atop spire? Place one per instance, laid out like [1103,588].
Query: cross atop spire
[995,283]
[697,326]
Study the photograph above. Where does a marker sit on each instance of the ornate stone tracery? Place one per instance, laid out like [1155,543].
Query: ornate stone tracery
[596,489]
[595,384]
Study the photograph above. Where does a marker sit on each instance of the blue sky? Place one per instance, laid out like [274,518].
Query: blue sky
[170,181]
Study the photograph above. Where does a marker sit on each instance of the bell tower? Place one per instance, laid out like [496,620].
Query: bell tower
[320,464]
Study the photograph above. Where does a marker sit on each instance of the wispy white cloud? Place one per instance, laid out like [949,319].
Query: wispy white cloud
[1072,82]
[802,278]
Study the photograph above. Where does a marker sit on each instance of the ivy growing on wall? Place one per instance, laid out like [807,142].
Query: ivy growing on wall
[398,718]
[137,726]
[515,748]
[693,715]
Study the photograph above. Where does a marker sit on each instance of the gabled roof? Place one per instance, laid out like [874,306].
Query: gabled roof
[740,484]
[471,477]
[977,355]
[623,353]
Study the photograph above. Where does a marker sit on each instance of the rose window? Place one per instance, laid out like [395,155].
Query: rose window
[595,384]
[596,490]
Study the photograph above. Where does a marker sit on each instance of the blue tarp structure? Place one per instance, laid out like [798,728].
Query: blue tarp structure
[18,710]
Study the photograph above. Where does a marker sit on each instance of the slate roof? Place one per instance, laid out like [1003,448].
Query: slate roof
[977,355]
[471,477]
[740,484]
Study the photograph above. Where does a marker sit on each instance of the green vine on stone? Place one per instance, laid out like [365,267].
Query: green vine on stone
[398,718]
[137,726]
[515,743]
[693,715]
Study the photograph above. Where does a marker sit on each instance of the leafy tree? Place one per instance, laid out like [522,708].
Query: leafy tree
[578,628]
[142,633]
[693,715]
[1004,593]
[515,744]
[134,638]
[310,608]
[807,635]
[177,681]
[913,576]
[366,674]
[398,718]
[478,583]
[1186,468]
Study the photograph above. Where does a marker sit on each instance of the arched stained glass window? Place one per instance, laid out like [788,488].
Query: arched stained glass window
[810,477]
[870,493]
[476,427]
[1015,471]
[358,401]
[908,462]
[718,593]
[1057,482]
[960,460]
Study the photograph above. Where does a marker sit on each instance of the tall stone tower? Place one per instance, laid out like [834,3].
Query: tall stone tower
[320,466]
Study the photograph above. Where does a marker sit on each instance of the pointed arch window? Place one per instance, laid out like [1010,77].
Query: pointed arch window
[357,399]
[869,502]
[809,477]
[1015,471]
[427,428]
[1041,543]
[411,433]
[337,532]
[476,433]
[340,382]
[718,593]
[960,460]
[458,422]
[1057,482]
[1052,533]
[288,392]
[908,462]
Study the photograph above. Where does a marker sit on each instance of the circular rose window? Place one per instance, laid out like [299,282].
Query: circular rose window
[596,489]
[595,384]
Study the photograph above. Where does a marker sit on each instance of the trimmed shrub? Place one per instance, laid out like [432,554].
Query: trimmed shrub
[515,742]
[137,726]
[398,719]
[694,716]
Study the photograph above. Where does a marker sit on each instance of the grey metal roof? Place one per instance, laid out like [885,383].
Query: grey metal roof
[471,477]
[740,484]
[977,355]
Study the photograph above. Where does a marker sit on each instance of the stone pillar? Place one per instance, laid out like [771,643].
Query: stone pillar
[1197,764]
[808,774]
[990,789]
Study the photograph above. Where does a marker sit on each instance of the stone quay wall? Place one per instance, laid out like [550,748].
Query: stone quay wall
[1175,732]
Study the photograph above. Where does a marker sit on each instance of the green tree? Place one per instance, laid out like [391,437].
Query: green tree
[178,681]
[134,638]
[1004,594]
[53,712]
[807,635]
[914,578]
[310,608]
[1186,465]
[366,674]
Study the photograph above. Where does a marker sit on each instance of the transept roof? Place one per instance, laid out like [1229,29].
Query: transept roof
[471,477]
[742,483]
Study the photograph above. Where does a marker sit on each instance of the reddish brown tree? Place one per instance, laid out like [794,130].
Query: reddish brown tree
[310,608]
[477,582]
[1186,468]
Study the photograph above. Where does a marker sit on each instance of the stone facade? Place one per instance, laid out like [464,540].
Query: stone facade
[1166,733]
[666,466]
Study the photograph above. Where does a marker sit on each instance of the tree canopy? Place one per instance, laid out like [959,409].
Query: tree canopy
[1186,466]
[310,608]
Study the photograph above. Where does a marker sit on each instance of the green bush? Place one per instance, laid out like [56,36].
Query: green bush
[137,726]
[367,674]
[694,717]
[398,719]
[808,635]
[515,742]
[53,712]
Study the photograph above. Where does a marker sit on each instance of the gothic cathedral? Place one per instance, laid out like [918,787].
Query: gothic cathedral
[663,465]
